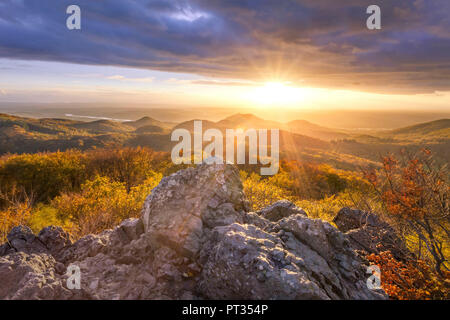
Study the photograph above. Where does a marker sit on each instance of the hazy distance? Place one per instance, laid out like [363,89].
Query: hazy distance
[343,119]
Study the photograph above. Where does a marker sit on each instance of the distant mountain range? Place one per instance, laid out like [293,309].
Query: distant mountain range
[299,139]
[105,126]
[246,121]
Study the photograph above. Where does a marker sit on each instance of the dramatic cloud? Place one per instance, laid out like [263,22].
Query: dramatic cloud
[313,43]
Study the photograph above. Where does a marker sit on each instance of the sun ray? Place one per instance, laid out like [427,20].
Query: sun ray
[277,93]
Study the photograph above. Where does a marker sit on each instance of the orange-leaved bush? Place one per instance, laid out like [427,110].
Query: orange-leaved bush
[415,193]
[410,280]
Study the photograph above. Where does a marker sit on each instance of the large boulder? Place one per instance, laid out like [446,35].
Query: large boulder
[348,219]
[51,240]
[196,239]
[55,240]
[184,203]
[279,210]
[22,239]
[369,234]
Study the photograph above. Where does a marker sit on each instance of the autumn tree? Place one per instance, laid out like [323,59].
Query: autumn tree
[414,190]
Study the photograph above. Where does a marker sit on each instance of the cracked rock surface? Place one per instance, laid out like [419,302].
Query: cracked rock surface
[196,239]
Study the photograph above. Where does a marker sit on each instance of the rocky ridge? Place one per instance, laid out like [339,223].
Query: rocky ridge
[196,239]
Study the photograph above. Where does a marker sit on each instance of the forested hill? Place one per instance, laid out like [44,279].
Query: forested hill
[299,139]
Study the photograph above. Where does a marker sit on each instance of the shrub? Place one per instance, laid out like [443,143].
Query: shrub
[262,192]
[45,175]
[101,204]
[411,280]
[13,216]
[415,195]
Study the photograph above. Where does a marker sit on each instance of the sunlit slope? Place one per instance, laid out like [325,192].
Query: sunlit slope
[299,139]
[439,129]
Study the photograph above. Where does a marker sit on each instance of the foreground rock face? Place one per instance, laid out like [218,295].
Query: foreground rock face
[195,240]
[185,203]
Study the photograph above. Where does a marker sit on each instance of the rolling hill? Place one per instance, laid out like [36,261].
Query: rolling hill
[299,139]
[428,130]
[246,121]
[104,126]
[147,121]
[310,129]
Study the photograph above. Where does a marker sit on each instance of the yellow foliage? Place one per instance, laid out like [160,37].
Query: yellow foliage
[43,216]
[13,216]
[262,192]
[101,204]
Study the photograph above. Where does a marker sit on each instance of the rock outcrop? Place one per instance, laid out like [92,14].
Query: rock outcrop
[196,239]
[281,209]
[369,234]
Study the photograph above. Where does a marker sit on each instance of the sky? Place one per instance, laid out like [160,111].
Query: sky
[258,53]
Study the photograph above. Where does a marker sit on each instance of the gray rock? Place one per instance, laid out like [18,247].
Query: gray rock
[22,239]
[31,276]
[348,219]
[369,234]
[133,228]
[280,209]
[244,262]
[196,239]
[55,240]
[183,203]
[6,249]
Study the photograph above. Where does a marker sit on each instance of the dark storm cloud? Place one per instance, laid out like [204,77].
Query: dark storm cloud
[317,43]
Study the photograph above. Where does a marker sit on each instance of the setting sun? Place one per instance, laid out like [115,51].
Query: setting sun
[277,93]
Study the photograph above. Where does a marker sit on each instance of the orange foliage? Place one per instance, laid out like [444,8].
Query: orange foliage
[412,280]
[407,201]
[415,193]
